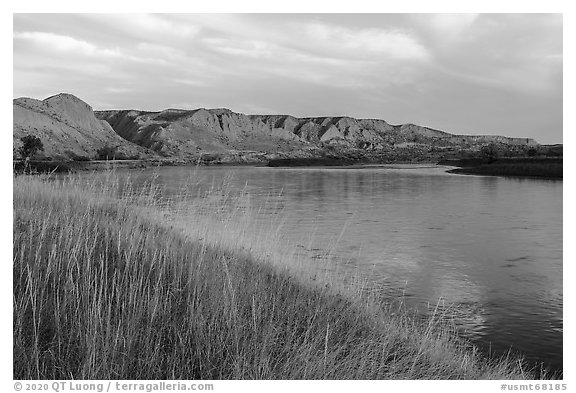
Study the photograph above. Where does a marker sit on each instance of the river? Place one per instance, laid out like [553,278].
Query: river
[489,247]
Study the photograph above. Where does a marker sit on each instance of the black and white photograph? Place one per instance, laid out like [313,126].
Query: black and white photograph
[209,197]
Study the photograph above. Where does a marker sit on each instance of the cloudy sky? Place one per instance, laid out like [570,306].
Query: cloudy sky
[467,73]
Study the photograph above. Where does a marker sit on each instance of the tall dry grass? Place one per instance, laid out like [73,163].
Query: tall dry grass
[110,282]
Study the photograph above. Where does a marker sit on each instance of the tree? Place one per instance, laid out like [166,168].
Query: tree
[106,152]
[30,146]
[489,152]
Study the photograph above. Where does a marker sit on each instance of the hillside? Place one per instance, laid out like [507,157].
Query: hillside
[190,134]
[71,130]
[68,129]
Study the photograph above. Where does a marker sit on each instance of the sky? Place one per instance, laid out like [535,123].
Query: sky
[460,73]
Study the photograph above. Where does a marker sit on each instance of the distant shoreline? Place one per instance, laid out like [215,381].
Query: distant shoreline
[96,165]
[524,167]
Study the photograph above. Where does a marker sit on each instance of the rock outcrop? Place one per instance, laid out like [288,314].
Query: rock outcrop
[188,134]
[68,129]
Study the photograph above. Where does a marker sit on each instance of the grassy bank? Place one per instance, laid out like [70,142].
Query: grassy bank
[105,287]
[37,166]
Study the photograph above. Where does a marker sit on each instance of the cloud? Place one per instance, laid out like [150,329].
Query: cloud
[448,25]
[151,23]
[187,82]
[244,48]
[166,51]
[394,44]
[77,48]
[118,90]
[512,52]
[149,26]
[63,43]
[311,62]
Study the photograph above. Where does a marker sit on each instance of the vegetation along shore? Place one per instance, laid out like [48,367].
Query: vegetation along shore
[543,167]
[108,285]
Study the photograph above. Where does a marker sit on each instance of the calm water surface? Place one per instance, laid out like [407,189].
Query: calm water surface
[490,246]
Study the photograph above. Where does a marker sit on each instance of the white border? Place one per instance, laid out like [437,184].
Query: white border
[293,6]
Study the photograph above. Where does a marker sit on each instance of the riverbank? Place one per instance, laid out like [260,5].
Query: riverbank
[43,166]
[105,287]
[344,161]
[313,161]
[551,168]
[103,165]
[78,166]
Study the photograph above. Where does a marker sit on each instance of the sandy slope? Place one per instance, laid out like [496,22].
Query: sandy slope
[189,133]
[68,128]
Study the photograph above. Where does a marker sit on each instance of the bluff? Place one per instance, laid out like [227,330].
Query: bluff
[68,129]
[190,134]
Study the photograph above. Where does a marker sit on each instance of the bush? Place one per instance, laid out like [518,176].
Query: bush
[30,146]
[107,152]
[489,152]
[76,157]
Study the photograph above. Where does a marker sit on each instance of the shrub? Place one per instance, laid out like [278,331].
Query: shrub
[30,146]
[489,152]
[107,152]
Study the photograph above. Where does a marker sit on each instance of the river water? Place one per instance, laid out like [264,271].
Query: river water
[490,247]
